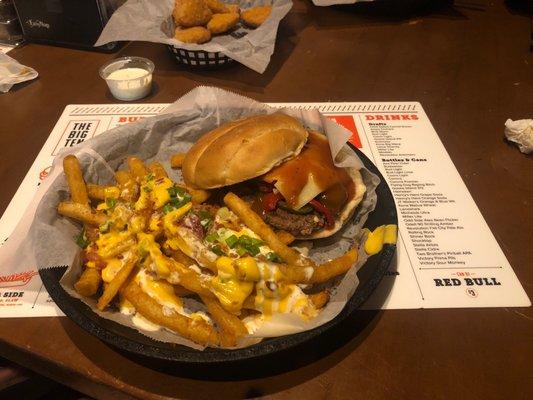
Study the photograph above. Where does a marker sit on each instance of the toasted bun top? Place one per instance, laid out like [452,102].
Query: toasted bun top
[242,149]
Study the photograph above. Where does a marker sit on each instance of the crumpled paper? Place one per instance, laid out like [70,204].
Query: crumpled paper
[50,241]
[12,72]
[520,132]
[325,3]
[151,21]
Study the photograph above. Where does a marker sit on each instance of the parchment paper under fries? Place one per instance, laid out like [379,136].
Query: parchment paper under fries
[52,237]
[151,21]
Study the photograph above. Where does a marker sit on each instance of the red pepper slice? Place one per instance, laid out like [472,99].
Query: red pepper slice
[321,208]
[270,201]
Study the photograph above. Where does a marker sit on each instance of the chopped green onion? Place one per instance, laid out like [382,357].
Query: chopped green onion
[110,202]
[205,218]
[217,250]
[273,257]
[253,250]
[147,189]
[176,191]
[167,208]
[212,237]
[241,251]
[105,227]
[150,176]
[143,253]
[246,240]
[232,241]
[81,239]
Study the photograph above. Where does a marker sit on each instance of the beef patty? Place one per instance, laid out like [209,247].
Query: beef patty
[295,224]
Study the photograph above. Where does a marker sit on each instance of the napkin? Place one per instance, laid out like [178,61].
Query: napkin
[12,72]
[520,132]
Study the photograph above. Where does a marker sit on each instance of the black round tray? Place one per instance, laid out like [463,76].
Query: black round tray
[130,340]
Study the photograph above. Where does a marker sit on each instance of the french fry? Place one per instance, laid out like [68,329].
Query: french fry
[285,237]
[232,327]
[116,249]
[200,257]
[256,224]
[296,274]
[319,299]
[123,177]
[89,282]
[180,256]
[180,291]
[76,184]
[321,273]
[195,330]
[198,195]
[177,160]
[137,168]
[335,267]
[82,213]
[189,279]
[118,281]
[98,192]
[157,169]
[129,190]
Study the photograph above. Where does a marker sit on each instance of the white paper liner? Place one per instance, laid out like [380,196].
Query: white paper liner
[51,243]
[151,21]
[12,72]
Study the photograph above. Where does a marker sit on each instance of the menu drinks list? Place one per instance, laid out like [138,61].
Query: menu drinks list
[446,257]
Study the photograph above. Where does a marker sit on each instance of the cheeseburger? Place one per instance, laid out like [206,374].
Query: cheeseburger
[283,170]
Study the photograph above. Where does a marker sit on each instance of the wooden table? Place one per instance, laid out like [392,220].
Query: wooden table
[470,68]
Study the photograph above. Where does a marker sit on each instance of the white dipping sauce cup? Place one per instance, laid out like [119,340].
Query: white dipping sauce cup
[128,78]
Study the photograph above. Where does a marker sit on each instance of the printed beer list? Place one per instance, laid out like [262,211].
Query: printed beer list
[447,256]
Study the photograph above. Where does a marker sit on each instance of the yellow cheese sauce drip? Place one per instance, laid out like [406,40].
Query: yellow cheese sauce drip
[228,288]
[159,290]
[384,234]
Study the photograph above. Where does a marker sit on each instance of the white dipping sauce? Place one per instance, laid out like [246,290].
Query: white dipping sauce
[129,83]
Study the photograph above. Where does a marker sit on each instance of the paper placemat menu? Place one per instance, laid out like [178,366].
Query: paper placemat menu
[447,256]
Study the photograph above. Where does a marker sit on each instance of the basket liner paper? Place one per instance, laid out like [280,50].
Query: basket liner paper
[151,21]
[51,239]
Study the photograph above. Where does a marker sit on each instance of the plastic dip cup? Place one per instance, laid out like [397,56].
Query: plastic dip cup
[128,78]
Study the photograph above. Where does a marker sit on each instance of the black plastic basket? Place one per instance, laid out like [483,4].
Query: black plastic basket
[199,58]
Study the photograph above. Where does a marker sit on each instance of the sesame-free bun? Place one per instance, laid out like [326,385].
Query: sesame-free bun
[242,150]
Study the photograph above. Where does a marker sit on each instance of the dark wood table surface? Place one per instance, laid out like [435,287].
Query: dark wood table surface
[471,68]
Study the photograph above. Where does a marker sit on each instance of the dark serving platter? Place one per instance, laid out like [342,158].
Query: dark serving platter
[131,341]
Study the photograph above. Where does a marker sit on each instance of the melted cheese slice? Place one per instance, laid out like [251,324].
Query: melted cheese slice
[307,175]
